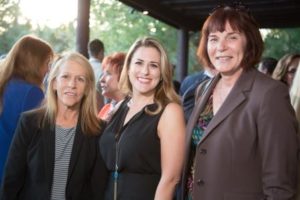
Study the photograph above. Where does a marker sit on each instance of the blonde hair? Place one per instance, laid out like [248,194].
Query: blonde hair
[165,92]
[295,93]
[25,59]
[88,110]
[282,66]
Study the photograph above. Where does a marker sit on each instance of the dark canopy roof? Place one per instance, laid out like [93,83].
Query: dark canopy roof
[190,14]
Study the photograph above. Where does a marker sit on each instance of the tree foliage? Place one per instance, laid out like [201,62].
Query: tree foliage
[279,42]
[119,26]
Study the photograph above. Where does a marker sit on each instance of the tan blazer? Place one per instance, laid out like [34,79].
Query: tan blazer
[249,150]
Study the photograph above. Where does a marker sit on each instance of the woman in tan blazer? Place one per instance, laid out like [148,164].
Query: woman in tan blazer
[242,132]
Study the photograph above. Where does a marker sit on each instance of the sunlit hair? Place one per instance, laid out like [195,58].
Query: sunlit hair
[114,62]
[282,66]
[240,20]
[88,110]
[25,60]
[295,93]
[165,92]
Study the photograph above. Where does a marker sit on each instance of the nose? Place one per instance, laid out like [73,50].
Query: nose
[145,69]
[102,78]
[72,82]
[222,45]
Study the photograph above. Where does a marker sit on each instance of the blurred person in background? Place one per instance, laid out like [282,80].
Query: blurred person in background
[96,55]
[21,81]
[111,66]
[267,65]
[286,68]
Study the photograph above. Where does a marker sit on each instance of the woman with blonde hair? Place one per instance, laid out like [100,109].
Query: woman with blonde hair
[21,76]
[295,100]
[295,93]
[54,154]
[286,68]
[143,143]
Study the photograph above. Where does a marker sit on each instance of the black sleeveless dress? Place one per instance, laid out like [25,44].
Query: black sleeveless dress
[132,155]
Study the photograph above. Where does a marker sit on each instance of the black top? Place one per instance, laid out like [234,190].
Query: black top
[30,165]
[138,155]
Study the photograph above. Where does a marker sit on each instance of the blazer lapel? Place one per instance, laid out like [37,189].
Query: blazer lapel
[234,99]
[49,151]
[78,140]
[198,108]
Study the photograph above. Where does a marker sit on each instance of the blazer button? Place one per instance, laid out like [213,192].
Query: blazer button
[203,151]
[200,182]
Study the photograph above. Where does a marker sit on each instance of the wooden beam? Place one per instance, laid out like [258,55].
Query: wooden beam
[163,13]
[83,30]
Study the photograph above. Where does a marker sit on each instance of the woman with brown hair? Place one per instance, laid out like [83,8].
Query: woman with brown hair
[21,76]
[143,144]
[241,136]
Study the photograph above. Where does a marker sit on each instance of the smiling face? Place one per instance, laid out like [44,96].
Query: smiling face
[226,50]
[144,70]
[70,85]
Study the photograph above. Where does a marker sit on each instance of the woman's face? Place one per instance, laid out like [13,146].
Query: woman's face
[109,83]
[226,50]
[144,70]
[70,85]
[292,68]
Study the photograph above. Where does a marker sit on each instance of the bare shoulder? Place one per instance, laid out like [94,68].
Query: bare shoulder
[172,108]
[173,112]
[172,121]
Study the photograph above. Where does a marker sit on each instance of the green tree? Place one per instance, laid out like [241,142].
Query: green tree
[61,38]
[10,27]
[279,42]
[118,26]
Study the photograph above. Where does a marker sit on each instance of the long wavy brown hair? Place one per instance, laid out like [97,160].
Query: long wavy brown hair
[165,92]
[25,60]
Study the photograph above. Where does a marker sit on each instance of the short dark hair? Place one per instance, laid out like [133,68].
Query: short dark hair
[269,64]
[239,19]
[95,46]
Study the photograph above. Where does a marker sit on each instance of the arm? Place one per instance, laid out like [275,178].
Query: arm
[171,131]
[16,166]
[278,144]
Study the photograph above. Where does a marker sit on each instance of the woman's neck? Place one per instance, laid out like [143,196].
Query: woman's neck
[140,100]
[67,117]
[119,97]
[230,80]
